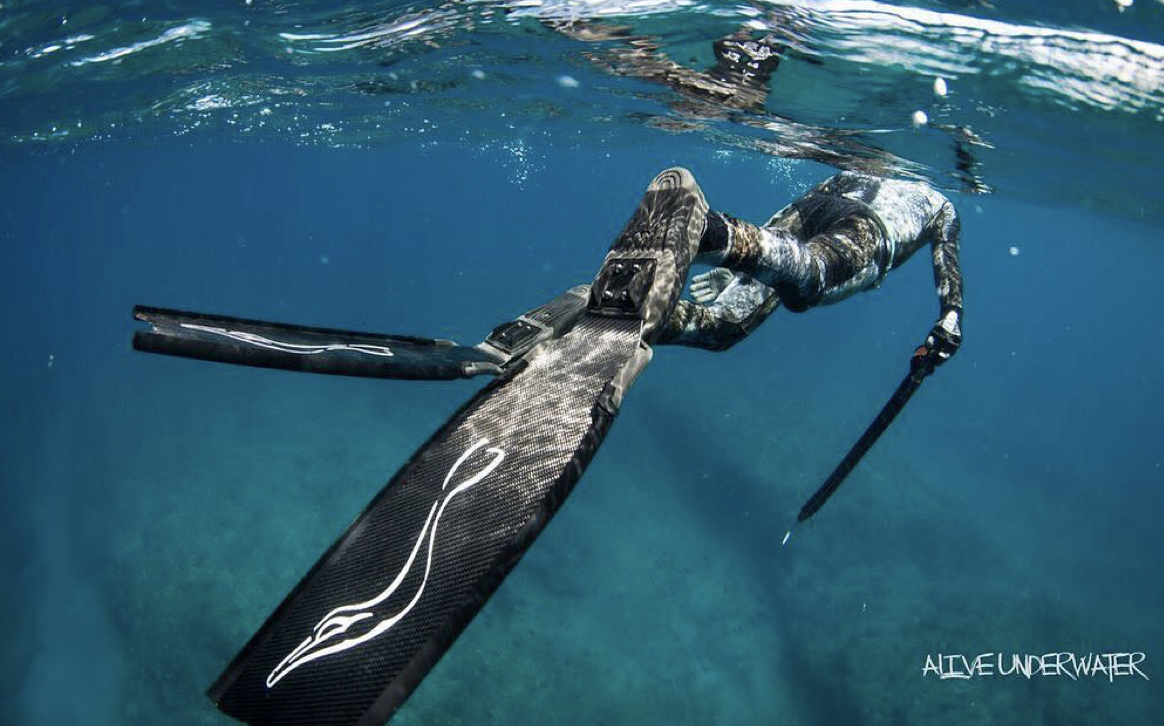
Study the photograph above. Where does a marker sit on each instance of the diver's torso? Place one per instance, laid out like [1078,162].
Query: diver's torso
[904,209]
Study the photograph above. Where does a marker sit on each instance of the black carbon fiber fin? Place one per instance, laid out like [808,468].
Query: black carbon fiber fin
[370,619]
[301,348]
[343,352]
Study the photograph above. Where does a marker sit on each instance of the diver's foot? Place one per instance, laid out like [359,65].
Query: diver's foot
[664,234]
[671,216]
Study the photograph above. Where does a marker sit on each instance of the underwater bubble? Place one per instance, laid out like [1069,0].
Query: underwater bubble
[919,119]
[940,89]
[567,82]
[1014,251]
[478,74]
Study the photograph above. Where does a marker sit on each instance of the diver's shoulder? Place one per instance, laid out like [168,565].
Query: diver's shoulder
[873,189]
[849,182]
[843,183]
[914,192]
[848,178]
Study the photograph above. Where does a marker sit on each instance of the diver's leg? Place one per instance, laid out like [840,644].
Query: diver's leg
[729,242]
[847,256]
[772,266]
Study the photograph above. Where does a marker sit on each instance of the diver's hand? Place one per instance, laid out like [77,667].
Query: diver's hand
[706,287]
[943,341]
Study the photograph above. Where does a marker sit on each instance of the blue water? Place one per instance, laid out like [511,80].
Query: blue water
[154,511]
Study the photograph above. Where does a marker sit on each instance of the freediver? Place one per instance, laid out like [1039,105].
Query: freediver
[842,237]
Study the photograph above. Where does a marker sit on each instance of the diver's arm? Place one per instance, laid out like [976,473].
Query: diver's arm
[946,336]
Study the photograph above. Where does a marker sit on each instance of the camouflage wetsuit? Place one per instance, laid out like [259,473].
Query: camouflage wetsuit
[842,237]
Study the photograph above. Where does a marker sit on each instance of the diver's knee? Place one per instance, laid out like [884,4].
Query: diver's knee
[792,298]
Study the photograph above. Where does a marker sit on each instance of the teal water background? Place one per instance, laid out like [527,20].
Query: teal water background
[153,511]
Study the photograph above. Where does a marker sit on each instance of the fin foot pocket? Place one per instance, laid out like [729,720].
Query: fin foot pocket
[645,270]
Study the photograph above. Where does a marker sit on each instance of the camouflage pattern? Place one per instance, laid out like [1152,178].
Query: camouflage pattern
[843,237]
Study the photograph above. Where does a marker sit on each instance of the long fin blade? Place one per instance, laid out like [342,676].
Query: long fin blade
[301,348]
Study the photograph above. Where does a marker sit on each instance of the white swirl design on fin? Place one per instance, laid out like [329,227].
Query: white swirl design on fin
[336,624]
[296,348]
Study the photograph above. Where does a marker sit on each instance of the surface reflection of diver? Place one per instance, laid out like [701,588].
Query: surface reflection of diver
[737,86]
[738,80]
[371,618]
